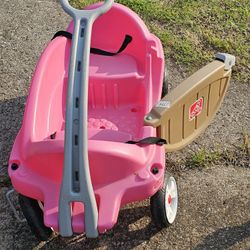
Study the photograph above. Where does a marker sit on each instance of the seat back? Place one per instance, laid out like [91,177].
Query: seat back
[110,29]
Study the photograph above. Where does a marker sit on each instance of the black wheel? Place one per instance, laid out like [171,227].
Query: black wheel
[34,216]
[164,203]
[165,84]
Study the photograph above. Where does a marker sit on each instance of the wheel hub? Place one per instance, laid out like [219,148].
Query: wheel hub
[170,199]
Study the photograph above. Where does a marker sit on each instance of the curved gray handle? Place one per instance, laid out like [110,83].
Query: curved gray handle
[76,184]
[76,13]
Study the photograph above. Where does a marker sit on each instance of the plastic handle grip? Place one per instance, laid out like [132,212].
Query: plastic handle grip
[76,13]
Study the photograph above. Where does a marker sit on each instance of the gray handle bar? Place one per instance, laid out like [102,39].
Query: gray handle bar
[76,183]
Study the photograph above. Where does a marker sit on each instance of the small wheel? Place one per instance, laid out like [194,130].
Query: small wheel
[165,84]
[164,203]
[33,212]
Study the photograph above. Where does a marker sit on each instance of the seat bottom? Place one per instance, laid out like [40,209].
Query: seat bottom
[113,124]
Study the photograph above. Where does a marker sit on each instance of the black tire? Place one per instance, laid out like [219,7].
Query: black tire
[158,207]
[165,84]
[34,216]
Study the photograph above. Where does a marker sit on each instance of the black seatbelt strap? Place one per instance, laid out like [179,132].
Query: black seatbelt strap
[149,141]
[127,40]
[62,33]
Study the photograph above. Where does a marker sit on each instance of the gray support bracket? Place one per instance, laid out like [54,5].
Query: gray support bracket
[228,59]
[76,183]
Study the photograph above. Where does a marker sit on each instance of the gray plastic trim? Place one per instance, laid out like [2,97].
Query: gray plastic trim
[228,59]
[76,183]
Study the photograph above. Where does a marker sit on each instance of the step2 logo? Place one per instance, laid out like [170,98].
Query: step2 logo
[195,109]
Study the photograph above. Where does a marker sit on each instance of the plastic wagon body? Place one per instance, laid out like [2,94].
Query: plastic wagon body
[122,90]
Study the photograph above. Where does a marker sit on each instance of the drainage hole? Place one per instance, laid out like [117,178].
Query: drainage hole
[82,32]
[76,175]
[79,66]
[77,102]
[155,170]
[76,140]
[14,166]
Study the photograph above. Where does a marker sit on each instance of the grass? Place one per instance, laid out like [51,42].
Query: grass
[203,158]
[238,157]
[193,31]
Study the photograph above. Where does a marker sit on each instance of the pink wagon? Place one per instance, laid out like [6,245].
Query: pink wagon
[95,128]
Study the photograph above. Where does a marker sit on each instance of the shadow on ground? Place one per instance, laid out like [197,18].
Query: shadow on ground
[127,234]
[225,237]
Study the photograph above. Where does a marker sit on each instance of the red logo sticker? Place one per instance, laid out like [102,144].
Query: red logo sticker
[195,109]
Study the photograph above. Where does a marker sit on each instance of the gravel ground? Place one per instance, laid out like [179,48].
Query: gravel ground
[214,203]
